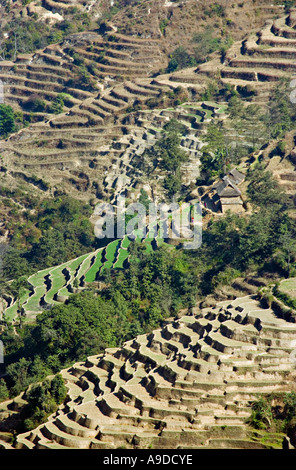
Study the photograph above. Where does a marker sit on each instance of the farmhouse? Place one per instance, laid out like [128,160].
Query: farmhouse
[225,194]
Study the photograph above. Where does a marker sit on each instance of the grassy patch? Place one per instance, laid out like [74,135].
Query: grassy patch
[288,286]
[91,273]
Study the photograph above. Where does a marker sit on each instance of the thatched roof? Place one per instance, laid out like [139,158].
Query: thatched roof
[227,188]
[236,176]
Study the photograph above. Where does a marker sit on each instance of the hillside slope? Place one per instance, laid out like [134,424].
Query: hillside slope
[103,79]
[93,86]
[187,385]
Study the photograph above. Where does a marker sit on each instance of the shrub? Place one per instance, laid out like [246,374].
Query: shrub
[4,393]
[43,400]
[57,105]
[261,416]
[163,24]
[281,148]
[180,59]
[35,104]
[285,298]
[206,42]
[7,120]
[215,9]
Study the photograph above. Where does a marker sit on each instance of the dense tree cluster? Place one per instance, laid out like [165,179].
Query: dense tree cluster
[43,400]
[134,301]
[275,413]
[55,230]
[168,155]
[28,35]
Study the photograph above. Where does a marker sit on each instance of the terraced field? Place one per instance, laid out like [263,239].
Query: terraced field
[102,133]
[187,385]
[288,286]
[53,285]
[71,145]
[260,60]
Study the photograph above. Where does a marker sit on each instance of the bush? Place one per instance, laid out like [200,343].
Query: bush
[215,9]
[285,298]
[4,393]
[206,43]
[163,24]
[7,122]
[274,413]
[281,148]
[35,104]
[43,400]
[261,417]
[57,106]
[180,59]
[225,277]
[290,406]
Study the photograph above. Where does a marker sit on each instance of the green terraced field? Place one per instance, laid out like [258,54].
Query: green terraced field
[123,255]
[92,272]
[125,242]
[58,281]
[222,110]
[38,278]
[11,311]
[288,286]
[84,267]
[110,255]
[72,266]
[208,113]
[33,303]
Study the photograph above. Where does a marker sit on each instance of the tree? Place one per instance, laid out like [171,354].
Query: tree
[3,250]
[144,199]
[287,246]
[282,112]
[254,129]
[263,190]
[18,375]
[4,393]
[290,405]
[258,240]
[235,108]
[57,105]
[214,153]
[35,104]
[180,59]
[205,43]
[50,250]
[168,154]
[261,417]
[174,126]
[58,389]
[43,399]
[15,264]
[7,122]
